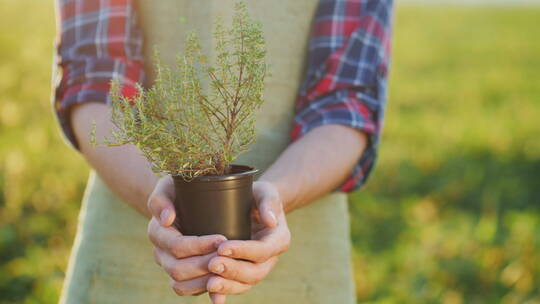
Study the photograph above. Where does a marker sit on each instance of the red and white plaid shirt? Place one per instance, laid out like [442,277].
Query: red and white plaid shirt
[345,82]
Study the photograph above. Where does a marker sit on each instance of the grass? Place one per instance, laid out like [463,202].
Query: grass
[41,180]
[451,214]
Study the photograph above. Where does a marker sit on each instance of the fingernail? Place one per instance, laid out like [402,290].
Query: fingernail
[164,216]
[219,268]
[272,216]
[227,252]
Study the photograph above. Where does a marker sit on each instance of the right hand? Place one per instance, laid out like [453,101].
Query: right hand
[184,258]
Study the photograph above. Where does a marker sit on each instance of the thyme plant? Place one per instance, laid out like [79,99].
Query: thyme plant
[189,129]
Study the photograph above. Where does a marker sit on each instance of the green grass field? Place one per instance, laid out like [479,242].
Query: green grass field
[451,214]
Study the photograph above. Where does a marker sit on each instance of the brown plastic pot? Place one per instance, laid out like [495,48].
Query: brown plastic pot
[216,204]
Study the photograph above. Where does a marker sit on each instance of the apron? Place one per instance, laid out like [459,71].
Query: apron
[112,261]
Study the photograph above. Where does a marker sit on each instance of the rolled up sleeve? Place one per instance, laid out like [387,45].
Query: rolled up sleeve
[346,76]
[97,41]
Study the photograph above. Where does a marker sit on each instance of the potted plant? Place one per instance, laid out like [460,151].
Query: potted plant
[194,122]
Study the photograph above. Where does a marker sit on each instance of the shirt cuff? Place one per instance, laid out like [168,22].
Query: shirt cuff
[89,81]
[348,107]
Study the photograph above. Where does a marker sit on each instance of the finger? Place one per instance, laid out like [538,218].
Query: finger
[221,285]
[193,287]
[180,246]
[241,271]
[218,298]
[257,251]
[183,269]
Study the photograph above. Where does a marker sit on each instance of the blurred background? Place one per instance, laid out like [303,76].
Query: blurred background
[451,214]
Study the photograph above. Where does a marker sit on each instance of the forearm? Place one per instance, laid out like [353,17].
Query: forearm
[315,164]
[123,168]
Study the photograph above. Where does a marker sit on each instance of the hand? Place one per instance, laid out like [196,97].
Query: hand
[184,258]
[241,264]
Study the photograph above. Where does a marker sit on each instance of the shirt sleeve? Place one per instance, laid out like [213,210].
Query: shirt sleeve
[346,76]
[97,42]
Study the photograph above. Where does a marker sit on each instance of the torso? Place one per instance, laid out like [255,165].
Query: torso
[112,258]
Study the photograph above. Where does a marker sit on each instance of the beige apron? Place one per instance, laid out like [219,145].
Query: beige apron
[112,258]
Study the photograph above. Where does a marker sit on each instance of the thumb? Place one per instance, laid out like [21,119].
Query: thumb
[217,298]
[269,203]
[160,202]
[269,209]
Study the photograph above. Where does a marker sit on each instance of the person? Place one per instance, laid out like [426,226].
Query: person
[318,134]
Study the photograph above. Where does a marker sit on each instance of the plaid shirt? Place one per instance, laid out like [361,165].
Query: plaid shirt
[345,82]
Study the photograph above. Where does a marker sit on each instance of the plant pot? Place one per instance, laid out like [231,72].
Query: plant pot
[216,204]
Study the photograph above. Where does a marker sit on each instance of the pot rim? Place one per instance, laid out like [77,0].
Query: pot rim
[246,171]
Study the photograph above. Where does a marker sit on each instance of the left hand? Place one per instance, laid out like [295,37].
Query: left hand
[242,264]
